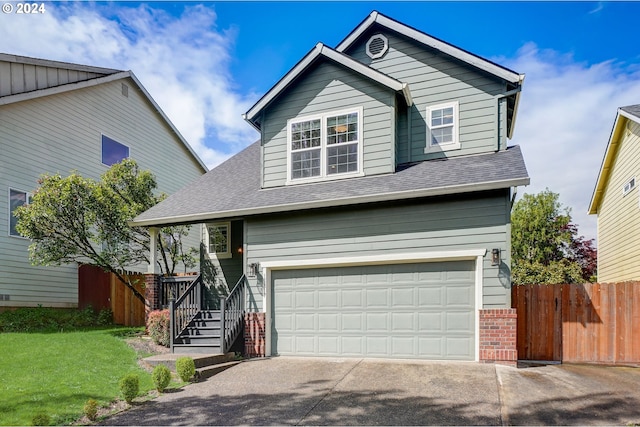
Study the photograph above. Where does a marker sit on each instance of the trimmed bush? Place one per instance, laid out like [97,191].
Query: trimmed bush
[158,327]
[91,409]
[105,317]
[45,319]
[130,387]
[41,420]
[161,377]
[185,367]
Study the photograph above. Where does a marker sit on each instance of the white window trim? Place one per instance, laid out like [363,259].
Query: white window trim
[29,196]
[219,255]
[630,188]
[455,145]
[115,140]
[323,146]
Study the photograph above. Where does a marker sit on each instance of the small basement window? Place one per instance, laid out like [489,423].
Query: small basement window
[630,185]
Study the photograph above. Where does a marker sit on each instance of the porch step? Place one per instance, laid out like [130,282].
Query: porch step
[207,365]
[186,349]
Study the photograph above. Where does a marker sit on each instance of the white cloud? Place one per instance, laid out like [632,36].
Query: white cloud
[566,114]
[183,62]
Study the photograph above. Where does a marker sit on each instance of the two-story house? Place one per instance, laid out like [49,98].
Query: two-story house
[616,200]
[58,117]
[371,219]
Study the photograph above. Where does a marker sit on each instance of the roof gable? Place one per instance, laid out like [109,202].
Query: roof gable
[376,18]
[631,112]
[322,53]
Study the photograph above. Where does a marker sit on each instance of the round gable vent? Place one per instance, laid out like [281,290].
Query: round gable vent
[377,46]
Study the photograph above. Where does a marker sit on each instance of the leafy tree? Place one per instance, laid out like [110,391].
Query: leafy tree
[76,219]
[545,244]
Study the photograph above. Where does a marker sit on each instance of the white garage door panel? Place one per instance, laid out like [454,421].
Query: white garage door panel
[421,310]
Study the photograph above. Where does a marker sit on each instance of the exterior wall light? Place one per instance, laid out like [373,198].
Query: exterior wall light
[495,256]
[252,269]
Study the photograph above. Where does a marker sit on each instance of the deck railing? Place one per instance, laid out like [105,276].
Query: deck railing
[183,309]
[232,313]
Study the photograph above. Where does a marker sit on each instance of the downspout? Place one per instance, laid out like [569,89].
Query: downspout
[409,135]
[498,98]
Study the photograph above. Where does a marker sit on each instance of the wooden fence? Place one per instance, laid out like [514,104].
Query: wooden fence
[589,323]
[102,290]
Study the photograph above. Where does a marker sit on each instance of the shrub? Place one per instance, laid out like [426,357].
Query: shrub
[45,319]
[161,377]
[91,409]
[105,317]
[41,420]
[158,327]
[185,367]
[130,386]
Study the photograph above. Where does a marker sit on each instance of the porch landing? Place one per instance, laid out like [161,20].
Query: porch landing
[207,365]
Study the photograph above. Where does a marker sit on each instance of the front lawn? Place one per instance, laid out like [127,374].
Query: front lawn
[56,373]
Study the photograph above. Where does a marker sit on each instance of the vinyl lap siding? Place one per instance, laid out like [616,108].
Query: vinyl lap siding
[619,216]
[61,133]
[435,79]
[471,222]
[324,89]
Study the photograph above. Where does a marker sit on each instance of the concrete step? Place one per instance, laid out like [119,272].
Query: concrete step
[187,349]
[199,359]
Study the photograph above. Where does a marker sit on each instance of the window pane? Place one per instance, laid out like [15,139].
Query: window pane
[305,134]
[218,239]
[342,159]
[305,164]
[442,135]
[16,199]
[113,152]
[342,128]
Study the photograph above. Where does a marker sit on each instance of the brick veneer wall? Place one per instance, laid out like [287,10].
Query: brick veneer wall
[152,292]
[498,336]
[254,334]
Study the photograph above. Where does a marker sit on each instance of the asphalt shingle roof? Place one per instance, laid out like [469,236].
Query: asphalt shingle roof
[632,109]
[233,188]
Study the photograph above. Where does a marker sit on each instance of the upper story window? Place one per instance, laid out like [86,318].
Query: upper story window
[325,146]
[17,198]
[219,239]
[442,127]
[112,151]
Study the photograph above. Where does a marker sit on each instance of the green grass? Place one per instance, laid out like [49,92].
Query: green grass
[56,373]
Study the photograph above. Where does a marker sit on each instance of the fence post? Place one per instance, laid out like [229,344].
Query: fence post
[172,321]
[223,326]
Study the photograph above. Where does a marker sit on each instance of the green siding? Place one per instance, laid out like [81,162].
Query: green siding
[434,79]
[61,133]
[326,88]
[466,222]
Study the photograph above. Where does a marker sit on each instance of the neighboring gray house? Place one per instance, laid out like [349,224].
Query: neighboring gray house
[372,217]
[57,117]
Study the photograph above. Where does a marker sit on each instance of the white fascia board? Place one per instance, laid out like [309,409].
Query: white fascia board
[427,40]
[516,104]
[345,201]
[379,259]
[603,174]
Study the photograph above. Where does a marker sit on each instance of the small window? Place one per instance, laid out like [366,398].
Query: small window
[112,151]
[630,185]
[17,198]
[442,127]
[219,239]
[325,146]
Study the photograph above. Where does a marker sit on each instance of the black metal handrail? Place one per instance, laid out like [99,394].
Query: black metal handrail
[183,309]
[172,287]
[232,313]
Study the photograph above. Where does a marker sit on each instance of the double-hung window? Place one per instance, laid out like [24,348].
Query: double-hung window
[219,239]
[325,146]
[442,127]
[17,198]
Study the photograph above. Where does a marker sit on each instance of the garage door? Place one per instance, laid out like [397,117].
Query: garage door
[424,310]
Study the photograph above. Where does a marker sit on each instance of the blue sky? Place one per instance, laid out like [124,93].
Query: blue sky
[206,63]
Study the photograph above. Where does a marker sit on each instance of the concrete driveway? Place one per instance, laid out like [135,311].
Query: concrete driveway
[299,391]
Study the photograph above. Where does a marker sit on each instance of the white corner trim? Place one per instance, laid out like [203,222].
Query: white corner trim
[397,258]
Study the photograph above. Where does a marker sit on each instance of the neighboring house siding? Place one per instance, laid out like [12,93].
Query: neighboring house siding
[464,222]
[434,79]
[327,88]
[18,78]
[619,215]
[61,133]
